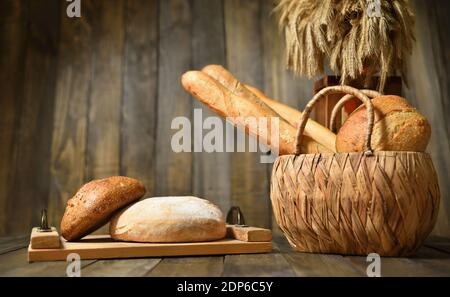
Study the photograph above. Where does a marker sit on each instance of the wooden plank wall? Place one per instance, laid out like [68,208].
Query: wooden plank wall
[92,97]
[429,91]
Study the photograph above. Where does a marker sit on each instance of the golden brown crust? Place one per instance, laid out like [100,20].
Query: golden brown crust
[169,219]
[398,127]
[95,202]
[196,230]
[313,129]
[242,111]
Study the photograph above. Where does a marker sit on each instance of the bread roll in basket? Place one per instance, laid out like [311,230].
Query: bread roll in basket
[354,203]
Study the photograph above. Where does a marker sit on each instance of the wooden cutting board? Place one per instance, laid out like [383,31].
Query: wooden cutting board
[103,247]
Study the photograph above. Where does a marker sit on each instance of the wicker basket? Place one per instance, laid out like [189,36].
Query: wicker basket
[354,203]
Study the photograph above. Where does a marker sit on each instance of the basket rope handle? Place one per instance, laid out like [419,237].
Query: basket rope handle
[369,93]
[330,90]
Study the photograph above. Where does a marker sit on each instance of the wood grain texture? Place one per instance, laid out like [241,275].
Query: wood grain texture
[429,261]
[174,169]
[32,173]
[90,97]
[249,182]
[13,260]
[104,115]
[12,50]
[247,233]
[211,171]
[12,243]
[103,247]
[70,125]
[15,264]
[140,82]
[44,240]
[429,91]
[189,266]
[279,83]
[103,147]
[314,265]
[124,267]
[273,265]
[438,243]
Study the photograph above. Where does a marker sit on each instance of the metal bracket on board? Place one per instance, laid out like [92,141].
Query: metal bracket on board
[44,222]
[44,236]
[236,217]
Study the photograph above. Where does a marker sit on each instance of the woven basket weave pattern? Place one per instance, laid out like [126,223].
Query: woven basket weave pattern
[349,203]
[354,203]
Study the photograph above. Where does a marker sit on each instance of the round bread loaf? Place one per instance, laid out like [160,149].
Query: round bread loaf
[397,127]
[169,219]
[95,202]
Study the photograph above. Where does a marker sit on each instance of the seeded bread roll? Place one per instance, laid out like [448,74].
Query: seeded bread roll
[397,127]
[169,219]
[95,202]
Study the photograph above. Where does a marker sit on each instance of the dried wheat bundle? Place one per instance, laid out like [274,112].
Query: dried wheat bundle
[357,44]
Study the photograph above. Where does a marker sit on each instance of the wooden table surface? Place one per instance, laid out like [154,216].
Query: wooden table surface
[433,259]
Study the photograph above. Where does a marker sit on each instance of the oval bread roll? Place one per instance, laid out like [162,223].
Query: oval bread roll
[95,202]
[169,219]
[397,127]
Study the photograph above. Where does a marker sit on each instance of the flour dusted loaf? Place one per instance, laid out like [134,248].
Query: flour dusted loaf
[398,127]
[95,202]
[169,219]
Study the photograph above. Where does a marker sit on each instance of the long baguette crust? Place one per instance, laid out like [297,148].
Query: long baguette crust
[292,116]
[242,110]
[313,129]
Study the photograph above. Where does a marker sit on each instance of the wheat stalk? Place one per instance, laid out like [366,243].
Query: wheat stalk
[356,45]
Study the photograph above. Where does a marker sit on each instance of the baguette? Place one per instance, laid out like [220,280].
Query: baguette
[317,132]
[240,112]
[313,129]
